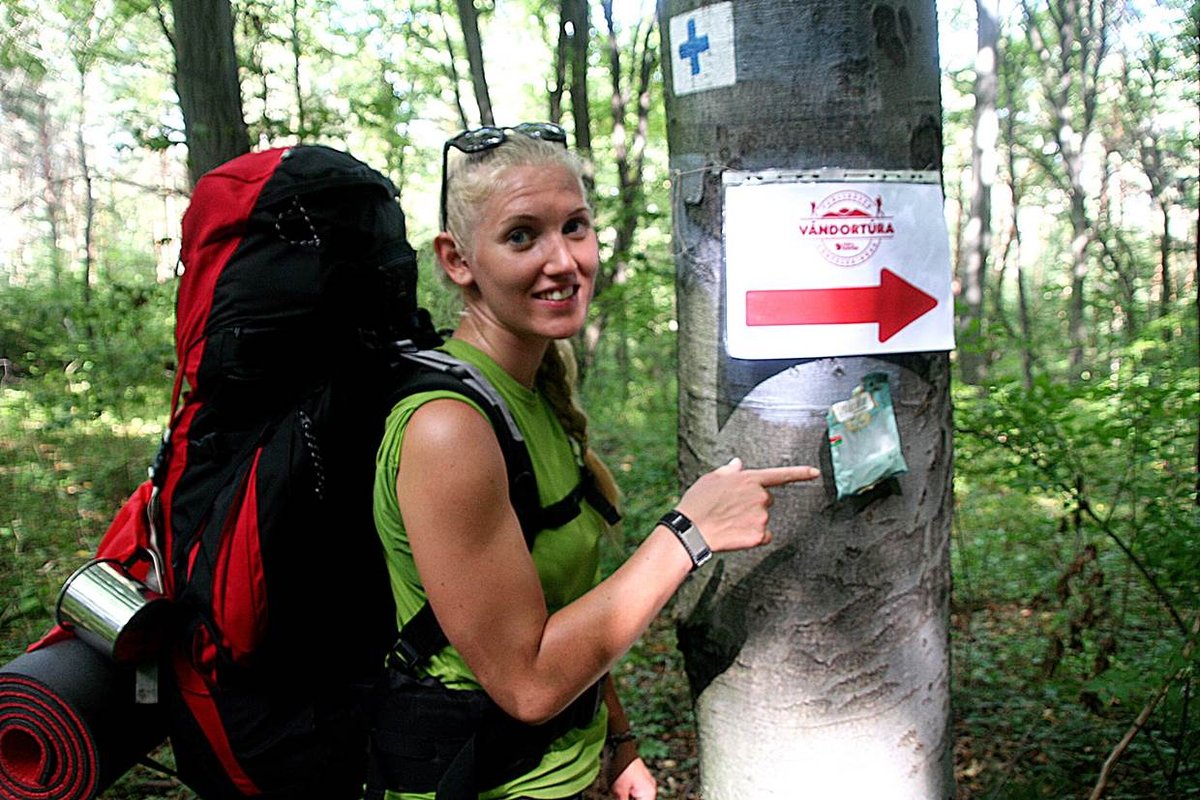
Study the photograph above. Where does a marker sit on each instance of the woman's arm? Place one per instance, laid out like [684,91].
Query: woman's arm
[482,582]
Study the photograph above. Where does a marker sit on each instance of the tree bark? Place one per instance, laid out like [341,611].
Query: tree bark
[297,84]
[820,664]
[580,110]
[89,196]
[451,69]
[206,80]
[561,54]
[469,18]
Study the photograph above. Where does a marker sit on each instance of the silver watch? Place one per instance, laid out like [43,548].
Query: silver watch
[688,536]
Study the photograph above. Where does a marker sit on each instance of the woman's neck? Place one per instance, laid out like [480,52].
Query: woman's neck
[519,357]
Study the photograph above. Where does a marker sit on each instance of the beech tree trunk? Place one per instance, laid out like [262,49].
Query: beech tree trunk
[819,664]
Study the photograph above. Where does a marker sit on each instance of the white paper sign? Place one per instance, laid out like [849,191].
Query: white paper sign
[835,267]
[701,46]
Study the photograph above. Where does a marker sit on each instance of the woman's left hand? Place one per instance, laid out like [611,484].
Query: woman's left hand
[634,783]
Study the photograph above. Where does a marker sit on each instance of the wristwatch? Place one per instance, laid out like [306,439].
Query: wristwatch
[688,536]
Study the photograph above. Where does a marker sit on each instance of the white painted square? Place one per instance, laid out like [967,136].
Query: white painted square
[701,49]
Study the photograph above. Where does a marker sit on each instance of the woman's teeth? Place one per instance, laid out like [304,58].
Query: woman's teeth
[559,294]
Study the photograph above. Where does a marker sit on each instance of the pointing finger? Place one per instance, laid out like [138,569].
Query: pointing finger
[778,476]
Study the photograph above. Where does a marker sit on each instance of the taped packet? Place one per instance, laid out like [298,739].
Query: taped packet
[864,442]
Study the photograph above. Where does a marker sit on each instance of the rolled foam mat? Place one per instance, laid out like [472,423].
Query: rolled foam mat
[69,726]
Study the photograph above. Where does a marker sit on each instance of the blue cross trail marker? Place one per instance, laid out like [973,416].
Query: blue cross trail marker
[693,47]
[703,40]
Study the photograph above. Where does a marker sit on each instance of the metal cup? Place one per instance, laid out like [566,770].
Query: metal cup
[113,612]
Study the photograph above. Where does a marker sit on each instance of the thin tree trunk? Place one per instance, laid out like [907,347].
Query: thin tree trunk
[51,195]
[452,69]
[469,18]
[301,123]
[1071,63]
[972,354]
[1013,245]
[629,149]
[89,198]
[561,53]
[1167,290]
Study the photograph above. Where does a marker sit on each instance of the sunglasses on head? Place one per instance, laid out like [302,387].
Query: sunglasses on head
[478,140]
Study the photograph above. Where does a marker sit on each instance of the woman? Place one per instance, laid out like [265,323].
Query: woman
[533,630]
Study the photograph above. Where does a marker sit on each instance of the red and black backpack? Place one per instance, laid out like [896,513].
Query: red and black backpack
[296,270]
[296,274]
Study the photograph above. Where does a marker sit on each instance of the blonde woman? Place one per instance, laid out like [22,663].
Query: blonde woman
[517,704]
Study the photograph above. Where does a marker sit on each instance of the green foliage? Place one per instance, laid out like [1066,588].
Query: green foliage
[63,481]
[82,403]
[1077,570]
[113,355]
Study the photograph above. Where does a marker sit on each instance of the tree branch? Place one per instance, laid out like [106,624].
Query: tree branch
[1111,762]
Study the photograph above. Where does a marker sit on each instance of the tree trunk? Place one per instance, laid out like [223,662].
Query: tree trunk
[972,354]
[89,195]
[1071,39]
[820,664]
[206,80]
[1009,75]
[469,18]
[50,180]
[561,53]
[301,121]
[580,110]
[452,70]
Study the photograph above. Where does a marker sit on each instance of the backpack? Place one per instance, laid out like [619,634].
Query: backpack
[297,330]
[296,272]
[295,269]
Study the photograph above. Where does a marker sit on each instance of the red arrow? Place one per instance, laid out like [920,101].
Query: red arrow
[894,303]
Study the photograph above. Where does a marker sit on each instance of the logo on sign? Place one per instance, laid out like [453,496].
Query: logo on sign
[848,226]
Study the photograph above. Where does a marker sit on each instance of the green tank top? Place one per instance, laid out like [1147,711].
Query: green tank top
[567,561]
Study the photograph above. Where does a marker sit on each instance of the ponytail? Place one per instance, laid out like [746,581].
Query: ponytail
[556,378]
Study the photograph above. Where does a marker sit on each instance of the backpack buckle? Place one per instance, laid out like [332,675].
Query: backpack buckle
[404,656]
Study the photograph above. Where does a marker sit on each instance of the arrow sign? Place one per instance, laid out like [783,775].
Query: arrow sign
[893,304]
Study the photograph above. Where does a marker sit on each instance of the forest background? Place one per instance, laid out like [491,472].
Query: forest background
[1071,186]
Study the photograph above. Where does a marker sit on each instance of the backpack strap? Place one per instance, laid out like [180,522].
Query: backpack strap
[422,635]
[563,511]
[436,371]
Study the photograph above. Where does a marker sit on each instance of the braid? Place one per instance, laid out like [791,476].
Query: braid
[556,378]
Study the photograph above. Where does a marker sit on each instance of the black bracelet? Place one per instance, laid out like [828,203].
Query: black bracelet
[688,536]
[615,739]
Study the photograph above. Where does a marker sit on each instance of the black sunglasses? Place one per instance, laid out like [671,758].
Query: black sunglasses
[478,140]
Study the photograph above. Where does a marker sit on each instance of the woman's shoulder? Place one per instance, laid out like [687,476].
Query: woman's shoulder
[434,413]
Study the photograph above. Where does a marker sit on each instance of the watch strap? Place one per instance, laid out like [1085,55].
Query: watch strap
[689,536]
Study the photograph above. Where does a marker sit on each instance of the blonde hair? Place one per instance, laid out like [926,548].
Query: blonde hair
[471,178]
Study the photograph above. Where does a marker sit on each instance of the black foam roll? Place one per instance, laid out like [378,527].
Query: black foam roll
[69,725]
